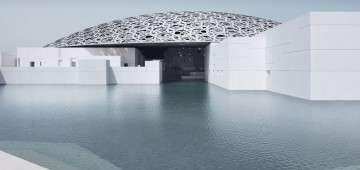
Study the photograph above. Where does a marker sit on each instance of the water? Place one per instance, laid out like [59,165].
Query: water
[190,125]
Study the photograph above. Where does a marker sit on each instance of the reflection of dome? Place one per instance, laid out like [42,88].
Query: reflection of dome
[169,27]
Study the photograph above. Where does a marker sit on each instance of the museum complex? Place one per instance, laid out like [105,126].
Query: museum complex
[315,56]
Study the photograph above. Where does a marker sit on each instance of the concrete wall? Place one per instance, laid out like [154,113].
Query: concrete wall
[335,55]
[63,57]
[93,71]
[47,56]
[2,80]
[315,56]
[139,58]
[288,58]
[150,74]
[237,64]
[89,72]
[40,75]
[7,60]
[208,62]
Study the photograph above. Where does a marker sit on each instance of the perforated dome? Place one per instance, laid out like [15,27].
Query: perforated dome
[169,27]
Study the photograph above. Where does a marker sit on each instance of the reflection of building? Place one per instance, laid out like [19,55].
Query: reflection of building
[315,56]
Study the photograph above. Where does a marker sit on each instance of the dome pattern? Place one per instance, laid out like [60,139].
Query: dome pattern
[169,27]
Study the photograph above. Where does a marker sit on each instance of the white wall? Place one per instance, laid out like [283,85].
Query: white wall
[92,67]
[237,63]
[150,74]
[51,57]
[2,80]
[288,57]
[139,58]
[315,56]
[89,72]
[7,60]
[208,62]
[48,56]
[93,72]
[40,75]
[335,55]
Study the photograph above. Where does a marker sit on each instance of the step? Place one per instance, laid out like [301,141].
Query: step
[40,159]
[66,153]
[11,162]
[354,167]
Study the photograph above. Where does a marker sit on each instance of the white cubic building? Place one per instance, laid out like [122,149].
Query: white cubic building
[315,56]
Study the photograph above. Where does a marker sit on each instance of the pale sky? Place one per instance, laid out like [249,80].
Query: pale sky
[35,23]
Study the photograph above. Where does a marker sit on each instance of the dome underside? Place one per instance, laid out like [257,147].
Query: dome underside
[169,27]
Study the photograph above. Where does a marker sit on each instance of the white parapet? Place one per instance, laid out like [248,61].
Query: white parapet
[88,72]
[39,75]
[150,74]
[66,57]
[93,71]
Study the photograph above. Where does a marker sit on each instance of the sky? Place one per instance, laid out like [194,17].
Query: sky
[35,23]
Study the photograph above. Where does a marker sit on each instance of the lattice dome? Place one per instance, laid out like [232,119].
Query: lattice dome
[169,27]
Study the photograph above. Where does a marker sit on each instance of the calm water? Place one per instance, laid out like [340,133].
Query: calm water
[190,125]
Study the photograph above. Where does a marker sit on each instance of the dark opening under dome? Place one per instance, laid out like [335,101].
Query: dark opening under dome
[167,27]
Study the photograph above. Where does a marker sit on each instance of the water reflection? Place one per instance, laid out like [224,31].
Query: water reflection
[190,125]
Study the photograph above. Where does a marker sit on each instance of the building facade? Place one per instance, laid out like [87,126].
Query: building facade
[315,56]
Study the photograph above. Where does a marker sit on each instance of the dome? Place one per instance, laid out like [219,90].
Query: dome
[168,27]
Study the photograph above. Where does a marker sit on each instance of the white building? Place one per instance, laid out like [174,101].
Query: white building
[315,56]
